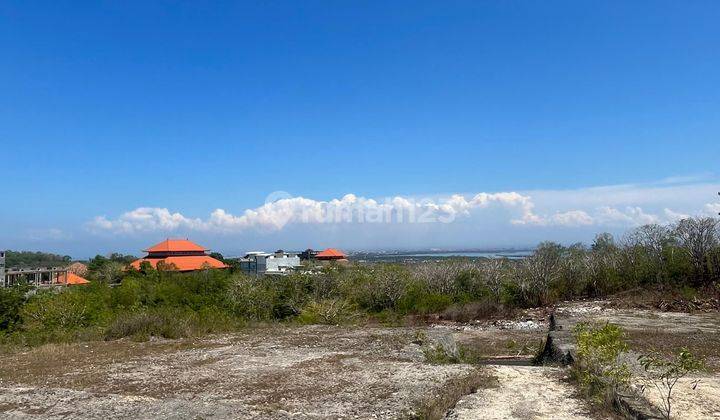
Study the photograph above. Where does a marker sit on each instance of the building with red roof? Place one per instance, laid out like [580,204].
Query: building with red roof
[331,254]
[71,279]
[178,255]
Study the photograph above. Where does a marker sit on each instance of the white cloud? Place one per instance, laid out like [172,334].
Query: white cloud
[712,209]
[348,209]
[610,206]
[630,216]
[674,216]
[145,219]
[572,218]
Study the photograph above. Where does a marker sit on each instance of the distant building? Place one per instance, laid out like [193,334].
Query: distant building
[41,277]
[279,262]
[331,254]
[308,254]
[2,268]
[178,255]
[71,279]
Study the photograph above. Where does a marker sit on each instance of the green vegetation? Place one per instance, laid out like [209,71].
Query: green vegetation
[11,302]
[663,374]
[329,312]
[27,259]
[598,368]
[110,269]
[149,302]
[603,375]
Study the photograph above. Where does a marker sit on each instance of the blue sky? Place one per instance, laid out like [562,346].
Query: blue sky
[110,107]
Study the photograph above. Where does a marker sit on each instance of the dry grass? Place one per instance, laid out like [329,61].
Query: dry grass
[78,365]
[702,344]
[260,372]
[438,405]
[669,298]
[503,343]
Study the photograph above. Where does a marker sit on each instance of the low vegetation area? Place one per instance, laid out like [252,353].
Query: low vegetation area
[598,368]
[606,373]
[149,303]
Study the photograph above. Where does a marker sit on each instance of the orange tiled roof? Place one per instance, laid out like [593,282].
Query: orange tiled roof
[331,253]
[176,245]
[189,263]
[72,279]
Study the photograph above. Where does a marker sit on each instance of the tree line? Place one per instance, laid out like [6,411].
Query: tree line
[151,302]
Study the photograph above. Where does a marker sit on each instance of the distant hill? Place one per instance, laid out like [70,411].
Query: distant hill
[29,259]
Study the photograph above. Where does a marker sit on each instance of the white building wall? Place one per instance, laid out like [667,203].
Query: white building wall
[275,264]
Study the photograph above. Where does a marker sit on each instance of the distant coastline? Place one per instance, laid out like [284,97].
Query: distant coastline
[444,254]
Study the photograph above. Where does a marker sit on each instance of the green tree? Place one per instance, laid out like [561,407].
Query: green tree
[12,300]
[27,259]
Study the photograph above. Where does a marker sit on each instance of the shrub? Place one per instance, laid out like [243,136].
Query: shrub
[482,309]
[598,368]
[127,295]
[12,300]
[144,324]
[377,288]
[329,311]
[417,298]
[69,309]
[250,298]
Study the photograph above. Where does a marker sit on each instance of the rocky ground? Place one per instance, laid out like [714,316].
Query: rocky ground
[270,372]
[274,372]
[524,392]
[665,333]
[308,372]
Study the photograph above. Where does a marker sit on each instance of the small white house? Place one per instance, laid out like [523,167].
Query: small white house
[279,262]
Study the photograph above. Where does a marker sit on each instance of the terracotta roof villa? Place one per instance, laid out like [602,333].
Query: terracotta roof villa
[71,279]
[331,254]
[180,255]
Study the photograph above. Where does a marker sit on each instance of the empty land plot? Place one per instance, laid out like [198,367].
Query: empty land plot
[273,372]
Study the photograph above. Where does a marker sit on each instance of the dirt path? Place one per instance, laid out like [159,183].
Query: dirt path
[524,392]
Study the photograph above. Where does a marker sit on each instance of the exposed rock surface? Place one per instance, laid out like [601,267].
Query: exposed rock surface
[665,332]
[277,372]
[523,392]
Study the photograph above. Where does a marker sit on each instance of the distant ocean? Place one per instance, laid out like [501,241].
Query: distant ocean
[451,254]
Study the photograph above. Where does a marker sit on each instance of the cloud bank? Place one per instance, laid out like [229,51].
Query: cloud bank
[620,206]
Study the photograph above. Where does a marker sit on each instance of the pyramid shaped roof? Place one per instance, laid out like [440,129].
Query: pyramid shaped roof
[331,253]
[176,245]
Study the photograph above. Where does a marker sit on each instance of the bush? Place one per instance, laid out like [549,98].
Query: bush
[685,254]
[482,309]
[418,299]
[68,310]
[377,288]
[127,295]
[251,298]
[598,368]
[329,311]
[12,300]
[141,325]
